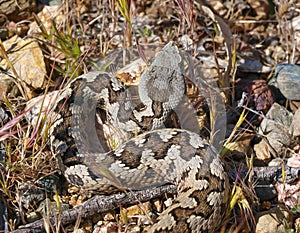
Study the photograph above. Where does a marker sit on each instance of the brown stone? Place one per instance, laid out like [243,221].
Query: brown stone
[17,10]
[295,127]
[28,61]
[273,220]
[262,151]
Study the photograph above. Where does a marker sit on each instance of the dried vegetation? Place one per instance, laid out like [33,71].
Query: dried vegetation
[221,34]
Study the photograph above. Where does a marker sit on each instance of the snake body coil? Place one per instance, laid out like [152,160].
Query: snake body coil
[94,107]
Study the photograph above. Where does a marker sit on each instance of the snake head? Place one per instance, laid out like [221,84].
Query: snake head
[163,80]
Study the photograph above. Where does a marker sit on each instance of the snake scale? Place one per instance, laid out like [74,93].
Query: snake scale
[93,113]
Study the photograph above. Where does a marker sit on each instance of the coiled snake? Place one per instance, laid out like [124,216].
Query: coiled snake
[95,106]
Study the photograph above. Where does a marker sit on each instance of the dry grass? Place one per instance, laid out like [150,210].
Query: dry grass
[71,50]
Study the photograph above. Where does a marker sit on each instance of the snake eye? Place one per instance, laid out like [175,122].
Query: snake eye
[101,101]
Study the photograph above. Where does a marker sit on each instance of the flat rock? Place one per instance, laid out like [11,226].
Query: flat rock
[262,151]
[47,15]
[276,128]
[265,191]
[6,86]
[287,79]
[295,127]
[27,58]
[288,194]
[272,220]
[17,10]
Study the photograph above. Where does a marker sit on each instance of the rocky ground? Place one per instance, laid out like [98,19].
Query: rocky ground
[249,49]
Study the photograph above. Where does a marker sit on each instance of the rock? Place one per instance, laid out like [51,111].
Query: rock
[287,79]
[265,191]
[262,151]
[51,2]
[252,65]
[288,194]
[28,61]
[47,15]
[7,86]
[276,162]
[273,220]
[293,161]
[275,127]
[17,10]
[295,127]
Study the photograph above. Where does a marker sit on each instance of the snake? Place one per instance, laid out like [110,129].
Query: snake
[109,138]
